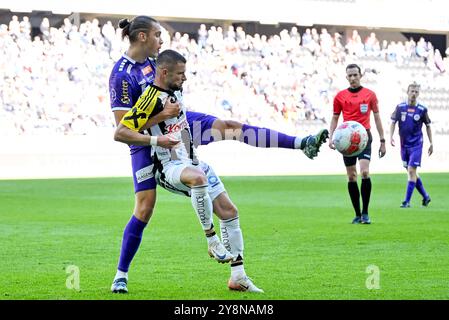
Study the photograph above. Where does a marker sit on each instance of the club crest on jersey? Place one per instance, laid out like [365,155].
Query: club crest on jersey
[212,180]
[113,95]
[364,108]
[403,116]
[416,117]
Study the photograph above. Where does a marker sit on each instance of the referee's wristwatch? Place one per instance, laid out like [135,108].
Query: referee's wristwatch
[382,140]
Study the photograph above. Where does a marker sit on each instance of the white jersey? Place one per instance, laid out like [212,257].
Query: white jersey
[179,129]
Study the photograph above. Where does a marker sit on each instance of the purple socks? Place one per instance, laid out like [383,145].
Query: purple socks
[420,188]
[410,188]
[132,236]
[266,138]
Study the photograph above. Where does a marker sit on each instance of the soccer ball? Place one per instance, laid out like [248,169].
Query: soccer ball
[350,138]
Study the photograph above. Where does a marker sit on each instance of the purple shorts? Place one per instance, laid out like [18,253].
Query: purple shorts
[142,164]
[411,157]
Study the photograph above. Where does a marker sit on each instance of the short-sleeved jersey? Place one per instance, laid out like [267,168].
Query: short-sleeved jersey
[128,80]
[410,120]
[356,105]
[150,103]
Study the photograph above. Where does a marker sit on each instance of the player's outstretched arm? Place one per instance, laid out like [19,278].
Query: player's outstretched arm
[128,136]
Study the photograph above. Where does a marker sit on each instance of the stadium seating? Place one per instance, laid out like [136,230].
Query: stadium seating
[57,82]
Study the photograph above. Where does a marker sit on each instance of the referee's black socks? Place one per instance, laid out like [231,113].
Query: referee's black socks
[365,190]
[354,193]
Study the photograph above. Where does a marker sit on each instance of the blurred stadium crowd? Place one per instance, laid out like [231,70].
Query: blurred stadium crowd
[57,82]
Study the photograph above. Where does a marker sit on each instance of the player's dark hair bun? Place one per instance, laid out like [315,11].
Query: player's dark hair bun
[123,23]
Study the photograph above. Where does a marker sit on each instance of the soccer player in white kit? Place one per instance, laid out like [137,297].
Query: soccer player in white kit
[179,170]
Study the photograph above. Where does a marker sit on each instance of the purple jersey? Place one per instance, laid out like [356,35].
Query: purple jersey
[128,80]
[410,120]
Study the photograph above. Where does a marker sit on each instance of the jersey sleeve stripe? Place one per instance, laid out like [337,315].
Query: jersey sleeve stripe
[151,95]
[143,104]
[154,100]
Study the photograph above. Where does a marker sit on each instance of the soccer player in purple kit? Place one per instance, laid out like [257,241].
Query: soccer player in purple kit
[410,116]
[132,73]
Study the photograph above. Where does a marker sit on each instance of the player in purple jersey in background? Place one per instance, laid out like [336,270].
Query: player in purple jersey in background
[132,73]
[411,116]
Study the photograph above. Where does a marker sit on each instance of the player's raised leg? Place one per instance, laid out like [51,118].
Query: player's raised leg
[206,129]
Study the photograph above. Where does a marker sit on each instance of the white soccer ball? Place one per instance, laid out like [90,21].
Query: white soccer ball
[350,138]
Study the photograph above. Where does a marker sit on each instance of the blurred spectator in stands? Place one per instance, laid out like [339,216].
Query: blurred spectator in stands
[326,42]
[25,28]
[372,46]
[45,28]
[14,27]
[439,64]
[421,49]
[202,36]
[67,26]
[294,34]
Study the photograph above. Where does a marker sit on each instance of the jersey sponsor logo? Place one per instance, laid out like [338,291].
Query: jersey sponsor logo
[135,117]
[125,92]
[144,174]
[416,117]
[403,116]
[147,70]
[364,108]
[171,128]
[411,110]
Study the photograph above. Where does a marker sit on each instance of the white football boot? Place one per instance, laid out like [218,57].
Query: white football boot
[218,251]
[243,284]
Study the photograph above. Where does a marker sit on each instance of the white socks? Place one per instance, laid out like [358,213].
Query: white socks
[237,272]
[202,204]
[231,236]
[121,274]
[211,239]
[298,141]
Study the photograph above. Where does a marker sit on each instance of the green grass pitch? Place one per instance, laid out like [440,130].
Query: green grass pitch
[299,242]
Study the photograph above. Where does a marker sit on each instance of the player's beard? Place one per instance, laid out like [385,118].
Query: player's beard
[175,87]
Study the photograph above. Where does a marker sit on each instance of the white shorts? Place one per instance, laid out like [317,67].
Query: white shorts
[170,178]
